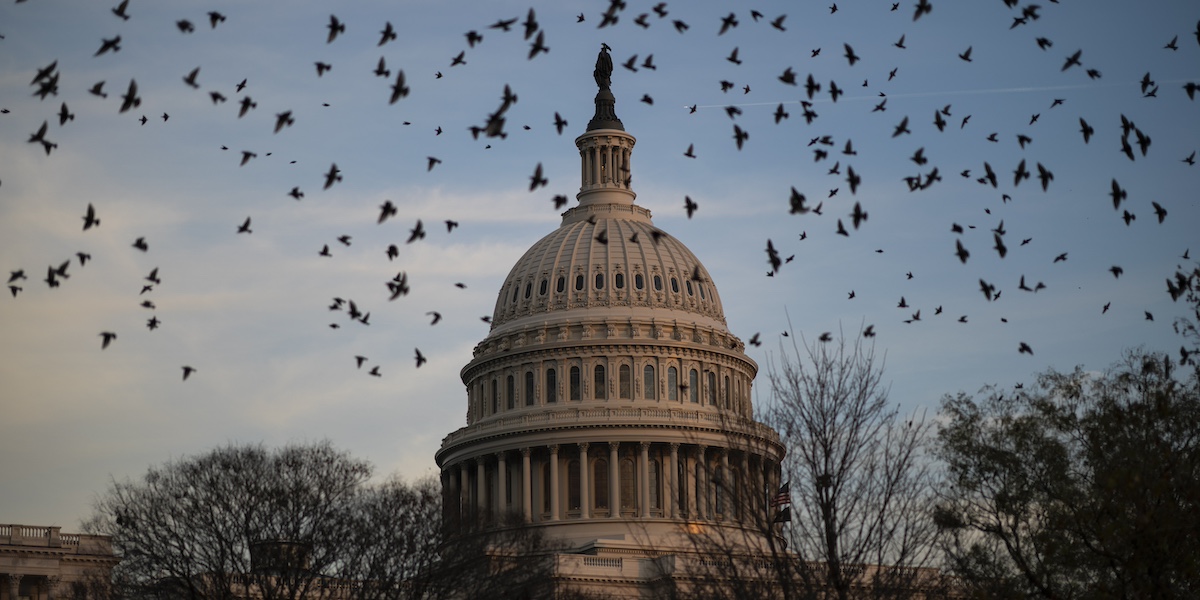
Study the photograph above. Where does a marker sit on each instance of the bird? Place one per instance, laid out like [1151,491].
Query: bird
[902,128]
[966,54]
[98,90]
[432,161]
[399,89]
[1072,60]
[690,206]
[1045,176]
[1116,271]
[381,69]
[245,226]
[190,78]
[537,179]
[1024,348]
[153,323]
[739,136]
[333,176]
[437,316]
[130,98]
[388,34]
[1159,211]
[420,358]
[106,45]
[215,17]
[850,55]
[538,45]
[335,27]
[108,337]
[1086,129]
[140,244]
[773,257]
[120,10]
[89,218]
[559,123]
[416,233]
[322,67]
[690,152]
[185,26]
[283,119]
[1117,194]
[458,59]
[733,57]
[296,193]
[187,372]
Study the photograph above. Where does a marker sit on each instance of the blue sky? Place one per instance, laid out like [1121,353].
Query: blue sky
[249,312]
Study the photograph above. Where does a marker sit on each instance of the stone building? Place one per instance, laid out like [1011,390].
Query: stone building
[41,563]
[609,406]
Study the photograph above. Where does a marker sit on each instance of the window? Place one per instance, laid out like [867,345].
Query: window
[649,383]
[546,487]
[672,384]
[543,287]
[701,286]
[655,502]
[495,396]
[694,386]
[510,391]
[575,383]
[638,281]
[619,281]
[528,289]
[508,487]
[674,285]
[726,391]
[719,490]
[688,282]
[551,386]
[628,485]
[701,501]
[573,485]
[561,285]
[599,281]
[579,282]
[528,388]
[599,380]
[600,479]
[712,388]
[657,283]
[624,385]
[515,287]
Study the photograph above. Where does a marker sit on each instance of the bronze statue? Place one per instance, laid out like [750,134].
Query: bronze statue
[604,67]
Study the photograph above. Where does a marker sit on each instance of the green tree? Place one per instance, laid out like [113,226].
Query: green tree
[1084,485]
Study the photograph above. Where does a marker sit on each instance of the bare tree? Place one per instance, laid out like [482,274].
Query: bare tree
[859,476]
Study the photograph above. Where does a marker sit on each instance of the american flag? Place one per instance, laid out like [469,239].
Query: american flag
[783,496]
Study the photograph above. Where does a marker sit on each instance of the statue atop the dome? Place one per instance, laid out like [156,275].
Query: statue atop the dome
[604,67]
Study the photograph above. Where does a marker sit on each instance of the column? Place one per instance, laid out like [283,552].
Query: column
[614,481]
[52,582]
[672,473]
[464,492]
[526,505]
[501,483]
[644,479]
[743,500]
[585,501]
[726,485]
[554,493]
[702,482]
[14,586]
[481,487]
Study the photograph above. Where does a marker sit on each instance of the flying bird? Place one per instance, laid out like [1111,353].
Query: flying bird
[335,27]
[108,338]
[89,219]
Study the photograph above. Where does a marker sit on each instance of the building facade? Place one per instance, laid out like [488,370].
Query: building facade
[609,406]
[42,563]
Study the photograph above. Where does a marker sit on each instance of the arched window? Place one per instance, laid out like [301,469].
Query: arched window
[694,386]
[674,285]
[619,281]
[546,487]
[545,285]
[701,286]
[725,392]
[649,383]
[510,392]
[528,388]
[600,481]
[599,380]
[495,396]
[655,501]
[624,386]
[628,485]
[638,281]
[672,384]
[528,289]
[561,286]
[719,490]
[657,283]
[551,386]
[688,282]
[712,388]
[515,288]
[599,281]
[579,282]
[575,383]
[701,500]
[573,485]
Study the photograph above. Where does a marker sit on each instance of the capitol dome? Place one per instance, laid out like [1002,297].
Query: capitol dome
[609,403]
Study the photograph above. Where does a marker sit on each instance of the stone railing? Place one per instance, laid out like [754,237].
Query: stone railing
[704,419]
[51,537]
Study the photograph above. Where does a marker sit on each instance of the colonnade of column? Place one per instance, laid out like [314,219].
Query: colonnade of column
[38,587]
[636,480]
[604,165]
